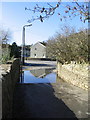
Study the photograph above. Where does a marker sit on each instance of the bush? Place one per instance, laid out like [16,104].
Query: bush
[73,47]
[5,55]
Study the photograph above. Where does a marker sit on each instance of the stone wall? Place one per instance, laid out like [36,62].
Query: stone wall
[72,77]
[9,78]
[0,99]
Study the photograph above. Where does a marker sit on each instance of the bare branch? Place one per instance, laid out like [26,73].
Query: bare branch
[46,12]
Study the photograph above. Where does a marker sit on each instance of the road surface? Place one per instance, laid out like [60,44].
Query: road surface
[49,100]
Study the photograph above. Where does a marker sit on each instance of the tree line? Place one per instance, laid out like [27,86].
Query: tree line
[8,51]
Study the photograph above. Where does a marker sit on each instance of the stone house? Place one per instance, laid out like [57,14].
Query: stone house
[38,50]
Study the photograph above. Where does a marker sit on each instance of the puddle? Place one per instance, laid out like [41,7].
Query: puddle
[38,76]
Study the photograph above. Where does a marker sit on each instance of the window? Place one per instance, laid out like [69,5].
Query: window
[43,55]
[35,48]
[34,54]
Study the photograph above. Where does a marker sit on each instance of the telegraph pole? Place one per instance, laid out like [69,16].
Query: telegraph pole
[23,44]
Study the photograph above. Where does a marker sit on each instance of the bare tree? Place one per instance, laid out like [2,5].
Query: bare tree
[76,9]
[74,47]
[5,36]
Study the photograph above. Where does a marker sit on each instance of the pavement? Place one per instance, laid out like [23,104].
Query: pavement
[39,101]
[74,97]
[49,100]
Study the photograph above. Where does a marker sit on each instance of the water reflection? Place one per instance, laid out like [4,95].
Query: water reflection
[38,76]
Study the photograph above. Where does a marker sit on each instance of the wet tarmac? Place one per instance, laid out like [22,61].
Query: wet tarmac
[56,99]
[39,101]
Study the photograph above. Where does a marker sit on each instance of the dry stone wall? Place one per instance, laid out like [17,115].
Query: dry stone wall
[8,81]
[0,99]
[72,77]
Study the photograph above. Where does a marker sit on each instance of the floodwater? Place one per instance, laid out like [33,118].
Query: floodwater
[38,76]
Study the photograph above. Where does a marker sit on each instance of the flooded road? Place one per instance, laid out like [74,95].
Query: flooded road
[41,94]
[38,76]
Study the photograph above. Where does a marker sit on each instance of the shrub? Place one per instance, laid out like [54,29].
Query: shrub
[73,47]
[5,55]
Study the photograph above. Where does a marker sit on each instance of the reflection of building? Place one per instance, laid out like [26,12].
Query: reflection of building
[38,50]
[41,72]
[38,73]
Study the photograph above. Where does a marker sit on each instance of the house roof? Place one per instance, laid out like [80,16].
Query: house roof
[39,43]
[43,43]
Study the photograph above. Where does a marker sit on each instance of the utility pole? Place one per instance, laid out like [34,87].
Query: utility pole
[23,44]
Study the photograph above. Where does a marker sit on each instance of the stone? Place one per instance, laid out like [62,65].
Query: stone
[10,75]
[74,76]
